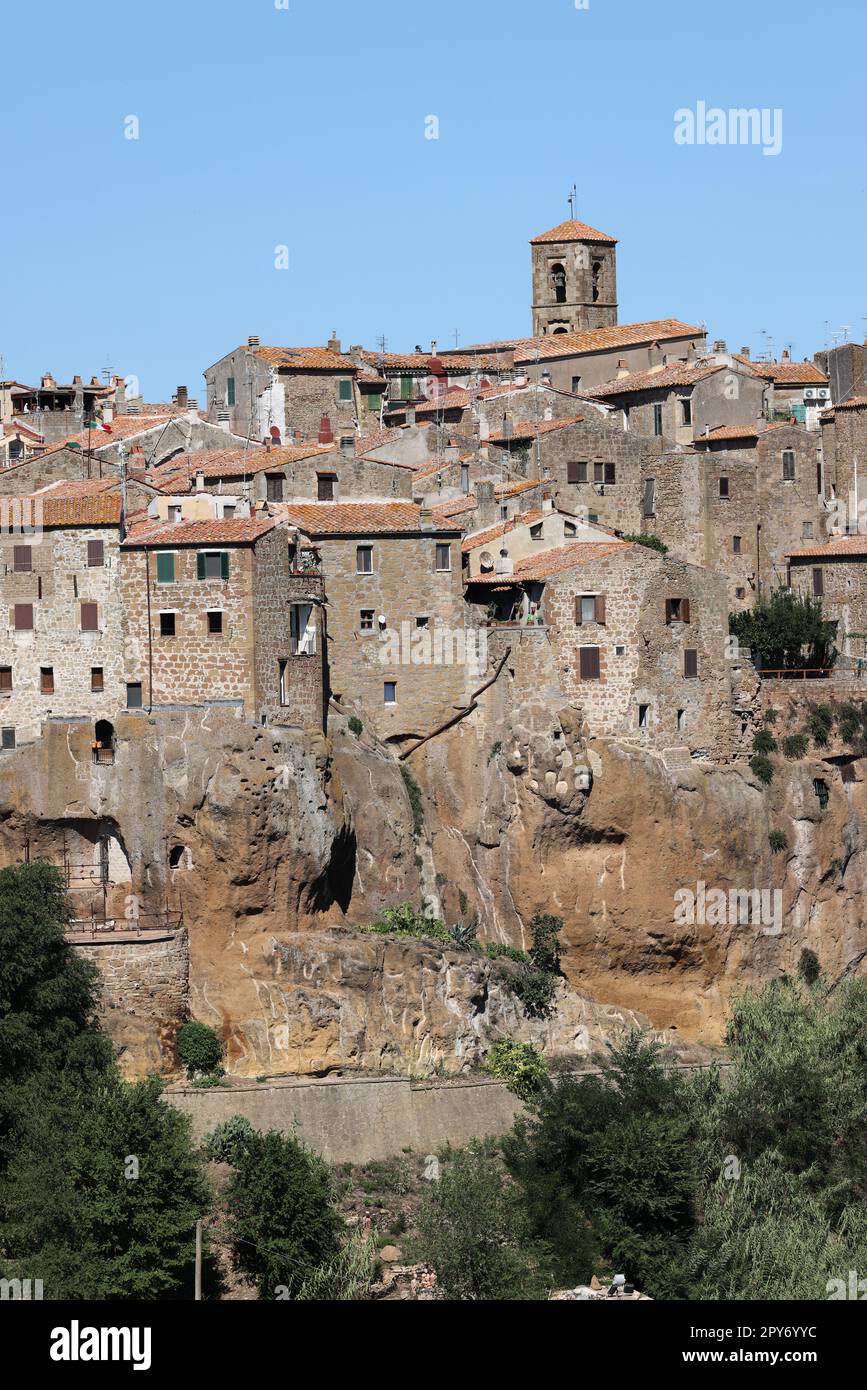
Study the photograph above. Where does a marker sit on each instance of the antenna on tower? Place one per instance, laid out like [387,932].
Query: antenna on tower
[573,199]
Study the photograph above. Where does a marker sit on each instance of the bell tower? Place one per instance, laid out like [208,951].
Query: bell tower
[574,279]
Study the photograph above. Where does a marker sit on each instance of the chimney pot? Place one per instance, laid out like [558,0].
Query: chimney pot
[253,340]
[326,434]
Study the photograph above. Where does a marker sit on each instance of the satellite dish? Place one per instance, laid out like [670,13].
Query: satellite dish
[486,560]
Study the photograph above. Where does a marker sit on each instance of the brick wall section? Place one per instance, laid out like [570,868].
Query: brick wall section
[59,560]
[650,668]
[404,584]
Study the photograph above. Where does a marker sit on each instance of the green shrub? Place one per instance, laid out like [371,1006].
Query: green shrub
[764,742]
[785,630]
[535,989]
[413,791]
[494,950]
[230,1140]
[762,767]
[808,966]
[463,935]
[795,745]
[771,716]
[519,1064]
[819,722]
[463,902]
[777,841]
[545,950]
[355,724]
[404,920]
[652,543]
[199,1048]
[849,730]
[495,749]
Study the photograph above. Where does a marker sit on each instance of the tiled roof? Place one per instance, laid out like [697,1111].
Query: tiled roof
[121,427]
[786,372]
[303,359]
[79,487]
[219,463]
[549,562]
[592,340]
[854,403]
[416,362]
[236,530]
[529,429]
[359,518]
[739,431]
[491,533]
[844,545]
[458,505]
[674,374]
[368,443]
[570,230]
[101,509]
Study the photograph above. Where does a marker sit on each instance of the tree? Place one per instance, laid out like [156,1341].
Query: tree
[473,1231]
[199,1048]
[606,1165]
[283,1221]
[785,630]
[102,1193]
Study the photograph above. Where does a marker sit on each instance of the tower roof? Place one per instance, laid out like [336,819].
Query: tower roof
[573,231]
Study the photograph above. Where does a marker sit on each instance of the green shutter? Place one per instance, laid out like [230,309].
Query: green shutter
[165,568]
[230,390]
[200,565]
[346,390]
[224,564]
[374,400]
[406,385]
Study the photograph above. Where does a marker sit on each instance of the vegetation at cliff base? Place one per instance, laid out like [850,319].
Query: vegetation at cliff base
[785,630]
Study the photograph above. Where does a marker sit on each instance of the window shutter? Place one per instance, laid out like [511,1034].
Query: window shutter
[609,473]
[200,564]
[589,663]
[668,610]
[578,619]
[818,583]
[24,617]
[94,554]
[571,472]
[89,617]
[690,662]
[224,564]
[684,610]
[600,608]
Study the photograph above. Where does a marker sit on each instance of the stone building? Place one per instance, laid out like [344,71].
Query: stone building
[61,645]
[209,617]
[682,400]
[574,279]
[303,473]
[798,390]
[282,393]
[55,409]
[398,641]
[846,369]
[836,574]
[638,638]
[844,447]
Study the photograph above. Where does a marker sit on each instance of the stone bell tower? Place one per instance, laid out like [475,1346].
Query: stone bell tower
[574,279]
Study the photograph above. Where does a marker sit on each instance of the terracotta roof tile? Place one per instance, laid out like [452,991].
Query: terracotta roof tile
[491,533]
[236,530]
[786,372]
[303,359]
[529,429]
[219,463]
[661,379]
[570,230]
[121,427]
[740,431]
[359,518]
[534,568]
[842,546]
[102,509]
[592,340]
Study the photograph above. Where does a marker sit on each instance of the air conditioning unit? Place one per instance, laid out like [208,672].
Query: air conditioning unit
[809,394]
[823,394]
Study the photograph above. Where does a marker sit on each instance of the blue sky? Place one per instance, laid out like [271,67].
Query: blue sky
[304,126]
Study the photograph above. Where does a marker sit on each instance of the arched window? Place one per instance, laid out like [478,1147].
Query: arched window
[103,741]
[595,272]
[561,329]
[558,283]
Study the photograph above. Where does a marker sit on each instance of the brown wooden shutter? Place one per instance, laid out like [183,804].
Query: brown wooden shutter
[22,559]
[571,473]
[610,474]
[24,617]
[94,554]
[588,663]
[690,662]
[579,621]
[600,608]
[90,617]
[5,677]
[684,610]
[818,583]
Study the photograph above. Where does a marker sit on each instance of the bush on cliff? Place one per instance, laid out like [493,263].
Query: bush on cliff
[199,1048]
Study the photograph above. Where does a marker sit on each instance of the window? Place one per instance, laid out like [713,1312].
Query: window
[465,477]
[690,663]
[325,485]
[788,465]
[649,503]
[681,715]
[807,531]
[23,617]
[406,388]
[283,673]
[736,545]
[444,556]
[595,272]
[274,487]
[175,512]
[723,487]
[569,528]
[610,473]
[7,738]
[167,624]
[22,559]
[576,472]
[619,651]
[389,693]
[302,630]
[46,680]
[366,619]
[212,564]
[677,610]
[230,390]
[228,511]
[90,617]
[643,716]
[558,283]
[422,620]
[344,391]
[686,412]
[374,400]
[364,559]
[536,531]
[215,623]
[588,663]
[576,382]
[133,695]
[5,679]
[95,554]
[820,787]
[740,593]
[97,679]
[165,567]
[504,511]
[818,582]
[657,419]
[599,472]
[589,608]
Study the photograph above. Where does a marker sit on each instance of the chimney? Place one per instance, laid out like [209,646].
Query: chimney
[181,397]
[425,518]
[451,451]
[508,426]
[334,343]
[347,446]
[410,415]
[253,340]
[745,352]
[719,345]
[486,504]
[326,434]
[76,381]
[547,502]
[224,421]
[622,369]
[200,481]
[545,377]
[785,354]
[433,347]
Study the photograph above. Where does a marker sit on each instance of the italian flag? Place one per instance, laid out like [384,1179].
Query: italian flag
[96,424]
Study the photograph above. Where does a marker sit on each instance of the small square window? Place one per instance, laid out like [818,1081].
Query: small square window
[212,564]
[619,651]
[46,680]
[364,559]
[228,511]
[443,557]
[97,678]
[167,624]
[576,472]
[7,738]
[215,623]
[536,531]
[422,621]
[366,619]
[389,692]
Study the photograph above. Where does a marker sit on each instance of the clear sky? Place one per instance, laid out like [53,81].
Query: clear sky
[302,124]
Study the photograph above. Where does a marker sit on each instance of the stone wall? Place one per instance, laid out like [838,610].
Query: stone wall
[354,478]
[844,597]
[144,996]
